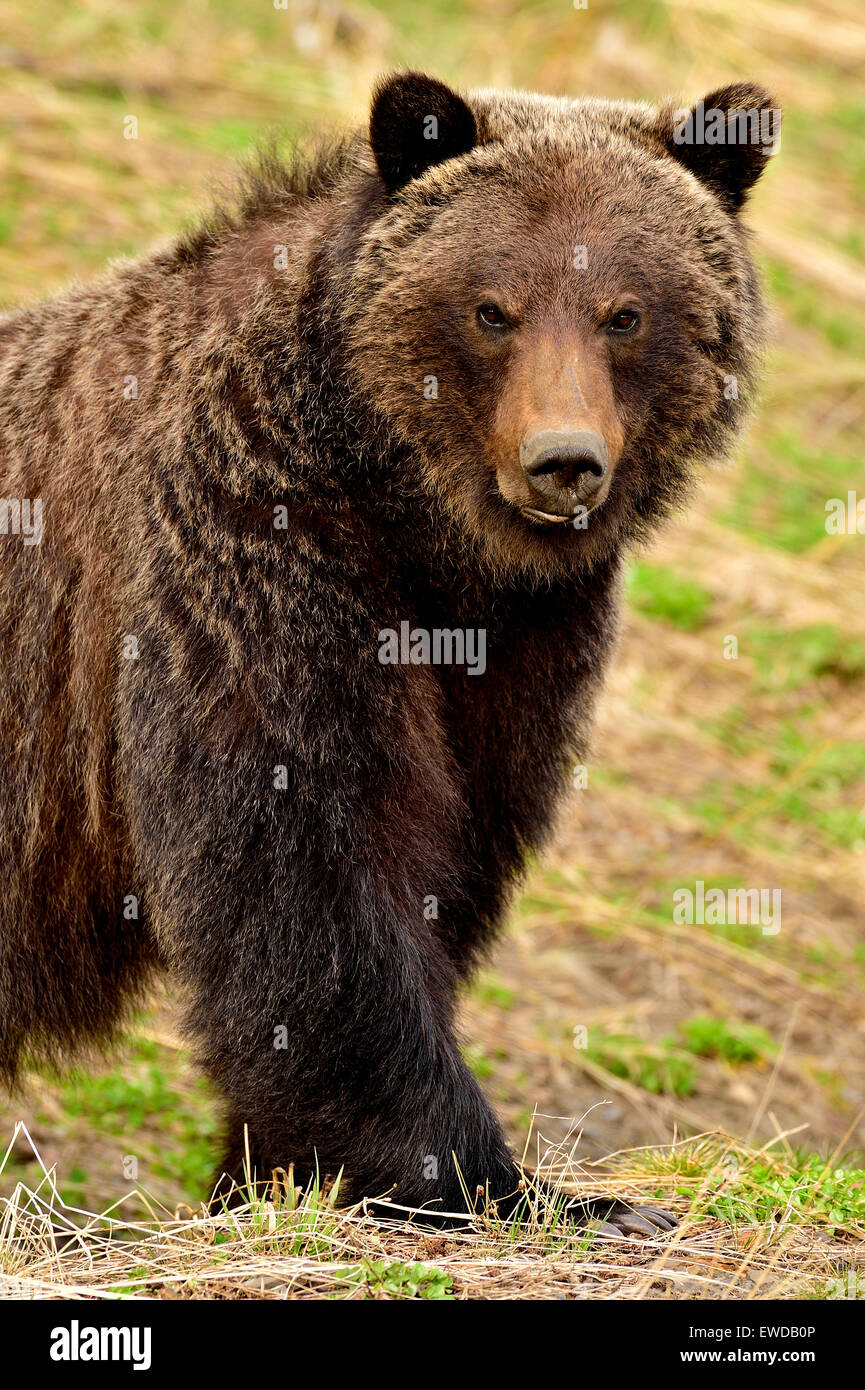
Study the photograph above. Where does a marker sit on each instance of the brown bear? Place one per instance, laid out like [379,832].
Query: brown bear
[312,530]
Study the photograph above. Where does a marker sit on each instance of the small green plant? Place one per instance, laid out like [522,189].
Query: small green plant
[392,1279]
[662,1069]
[787,659]
[480,1063]
[490,990]
[661,593]
[735,1042]
[808,1191]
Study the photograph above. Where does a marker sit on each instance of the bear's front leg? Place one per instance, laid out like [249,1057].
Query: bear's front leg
[354,1069]
[288,847]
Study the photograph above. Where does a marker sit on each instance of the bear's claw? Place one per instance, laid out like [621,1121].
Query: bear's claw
[619,1221]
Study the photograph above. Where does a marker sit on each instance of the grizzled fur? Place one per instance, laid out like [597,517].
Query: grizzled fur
[294,380]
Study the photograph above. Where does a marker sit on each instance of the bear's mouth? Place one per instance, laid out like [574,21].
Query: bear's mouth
[541,517]
[534,514]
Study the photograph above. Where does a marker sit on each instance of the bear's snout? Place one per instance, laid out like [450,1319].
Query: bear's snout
[564,468]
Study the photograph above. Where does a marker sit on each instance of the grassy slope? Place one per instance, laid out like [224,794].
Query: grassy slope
[745,772]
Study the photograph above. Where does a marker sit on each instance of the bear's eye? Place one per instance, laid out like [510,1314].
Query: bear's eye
[491,316]
[625,321]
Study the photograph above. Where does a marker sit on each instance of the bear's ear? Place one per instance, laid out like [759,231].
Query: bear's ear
[416,122]
[727,139]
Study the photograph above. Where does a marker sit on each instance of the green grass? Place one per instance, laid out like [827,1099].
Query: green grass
[661,593]
[491,990]
[732,1041]
[821,790]
[782,494]
[668,1066]
[788,658]
[479,1061]
[662,1069]
[842,329]
[394,1279]
[147,1109]
[725,1179]
[832,145]
[811,1191]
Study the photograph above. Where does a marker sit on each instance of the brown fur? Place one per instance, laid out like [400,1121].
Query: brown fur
[302,388]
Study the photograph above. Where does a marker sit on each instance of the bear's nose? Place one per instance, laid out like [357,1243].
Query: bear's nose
[561,462]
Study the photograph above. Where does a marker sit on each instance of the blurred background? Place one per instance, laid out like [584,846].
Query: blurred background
[738,771]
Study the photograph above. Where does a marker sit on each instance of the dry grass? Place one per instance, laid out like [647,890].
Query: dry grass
[303,1246]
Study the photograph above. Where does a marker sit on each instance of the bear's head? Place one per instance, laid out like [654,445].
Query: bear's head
[556,306]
